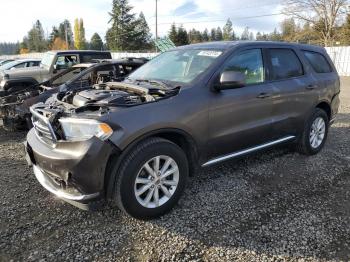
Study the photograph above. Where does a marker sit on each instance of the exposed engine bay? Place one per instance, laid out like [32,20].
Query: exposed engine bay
[114,94]
[93,103]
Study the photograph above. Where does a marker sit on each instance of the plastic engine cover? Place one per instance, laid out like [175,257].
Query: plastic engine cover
[96,96]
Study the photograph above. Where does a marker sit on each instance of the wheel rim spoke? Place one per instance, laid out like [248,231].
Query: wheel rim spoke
[156,164]
[170,183]
[143,189]
[166,165]
[140,180]
[149,169]
[149,196]
[165,191]
[169,172]
[156,196]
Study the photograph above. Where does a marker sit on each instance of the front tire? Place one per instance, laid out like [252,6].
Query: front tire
[315,133]
[151,178]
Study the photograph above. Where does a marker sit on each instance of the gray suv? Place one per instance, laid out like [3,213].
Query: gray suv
[134,143]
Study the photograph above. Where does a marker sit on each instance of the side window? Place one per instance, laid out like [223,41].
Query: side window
[250,63]
[21,65]
[285,64]
[318,62]
[66,61]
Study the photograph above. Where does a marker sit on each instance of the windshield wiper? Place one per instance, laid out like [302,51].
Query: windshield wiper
[157,82]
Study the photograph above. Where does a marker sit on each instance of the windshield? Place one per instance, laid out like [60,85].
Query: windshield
[66,75]
[178,66]
[47,59]
[9,65]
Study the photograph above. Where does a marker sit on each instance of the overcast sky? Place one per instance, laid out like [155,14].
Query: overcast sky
[17,16]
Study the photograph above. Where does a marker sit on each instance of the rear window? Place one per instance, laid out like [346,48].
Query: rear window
[86,58]
[318,62]
[285,64]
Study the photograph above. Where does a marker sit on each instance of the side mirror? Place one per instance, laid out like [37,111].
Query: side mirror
[231,79]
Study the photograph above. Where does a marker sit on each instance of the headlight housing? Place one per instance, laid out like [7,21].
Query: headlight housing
[2,84]
[76,129]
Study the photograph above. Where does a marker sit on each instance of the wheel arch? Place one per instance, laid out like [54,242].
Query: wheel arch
[324,105]
[179,137]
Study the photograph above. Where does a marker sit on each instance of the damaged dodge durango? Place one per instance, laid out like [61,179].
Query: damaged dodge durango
[133,144]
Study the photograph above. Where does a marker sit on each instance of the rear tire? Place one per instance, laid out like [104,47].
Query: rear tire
[315,133]
[151,178]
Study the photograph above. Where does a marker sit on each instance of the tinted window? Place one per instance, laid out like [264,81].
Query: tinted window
[285,64]
[88,57]
[250,63]
[21,65]
[318,62]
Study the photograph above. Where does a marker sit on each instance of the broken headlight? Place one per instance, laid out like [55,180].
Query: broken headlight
[83,129]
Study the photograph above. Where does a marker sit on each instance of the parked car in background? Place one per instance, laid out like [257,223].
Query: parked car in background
[135,142]
[21,63]
[53,63]
[4,61]
[14,108]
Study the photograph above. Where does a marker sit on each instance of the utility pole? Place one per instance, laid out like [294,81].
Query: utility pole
[156,19]
[66,34]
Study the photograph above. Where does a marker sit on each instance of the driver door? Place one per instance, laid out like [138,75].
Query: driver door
[241,118]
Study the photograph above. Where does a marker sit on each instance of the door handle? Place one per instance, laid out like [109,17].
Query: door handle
[311,87]
[263,95]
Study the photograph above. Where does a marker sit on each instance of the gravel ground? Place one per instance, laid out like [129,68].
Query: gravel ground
[277,205]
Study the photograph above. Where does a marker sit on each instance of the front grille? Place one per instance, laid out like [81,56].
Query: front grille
[42,126]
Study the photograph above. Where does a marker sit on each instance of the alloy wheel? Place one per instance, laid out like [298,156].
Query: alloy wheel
[317,132]
[156,181]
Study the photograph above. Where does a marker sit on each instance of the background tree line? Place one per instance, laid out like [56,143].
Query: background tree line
[308,21]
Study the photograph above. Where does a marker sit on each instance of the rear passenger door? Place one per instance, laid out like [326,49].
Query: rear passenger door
[242,117]
[296,94]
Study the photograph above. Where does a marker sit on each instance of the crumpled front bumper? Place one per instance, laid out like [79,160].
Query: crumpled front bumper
[73,171]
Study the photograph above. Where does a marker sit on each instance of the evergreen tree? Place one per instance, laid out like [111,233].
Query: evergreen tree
[195,36]
[121,35]
[213,34]
[275,36]
[258,36]
[228,33]
[36,38]
[96,42]
[62,28]
[143,35]
[218,34]
[9,48]
[245,34]
[182,36]
[205,35]
[173,33]
[54,34]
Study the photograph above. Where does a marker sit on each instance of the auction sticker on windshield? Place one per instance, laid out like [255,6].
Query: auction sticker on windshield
[210,53]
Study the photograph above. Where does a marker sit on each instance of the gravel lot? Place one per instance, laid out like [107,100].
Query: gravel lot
[278,205]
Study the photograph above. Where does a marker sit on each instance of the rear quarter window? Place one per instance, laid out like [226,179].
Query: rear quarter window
[284,64]
[318,62]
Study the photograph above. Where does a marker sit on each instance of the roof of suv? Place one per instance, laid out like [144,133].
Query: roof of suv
[229,44]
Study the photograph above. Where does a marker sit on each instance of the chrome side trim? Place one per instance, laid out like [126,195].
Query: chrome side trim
[246,151]
[54,189]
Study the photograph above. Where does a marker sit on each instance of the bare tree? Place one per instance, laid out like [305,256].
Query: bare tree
[324,15]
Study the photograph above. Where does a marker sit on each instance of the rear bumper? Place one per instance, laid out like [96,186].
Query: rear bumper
[72,171]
